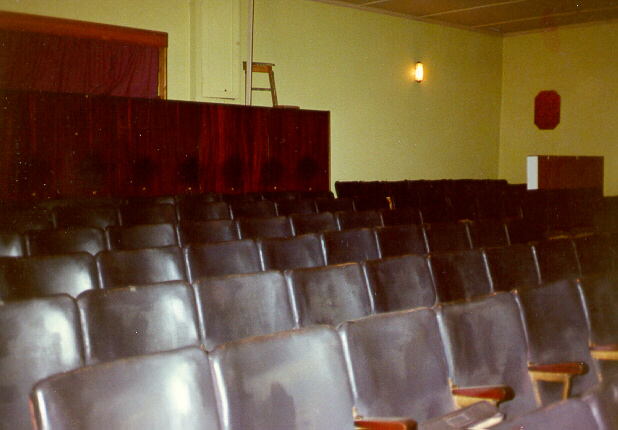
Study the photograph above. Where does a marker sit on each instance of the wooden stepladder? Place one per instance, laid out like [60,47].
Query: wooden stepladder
[264,68]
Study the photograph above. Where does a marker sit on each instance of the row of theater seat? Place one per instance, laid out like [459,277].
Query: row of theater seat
[463,272]
[420,363]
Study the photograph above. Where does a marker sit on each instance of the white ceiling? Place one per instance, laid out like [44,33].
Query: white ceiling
[500,17]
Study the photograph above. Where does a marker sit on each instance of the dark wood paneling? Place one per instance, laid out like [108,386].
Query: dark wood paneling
[56,145]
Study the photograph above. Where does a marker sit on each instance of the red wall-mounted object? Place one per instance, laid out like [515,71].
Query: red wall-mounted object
[547,110]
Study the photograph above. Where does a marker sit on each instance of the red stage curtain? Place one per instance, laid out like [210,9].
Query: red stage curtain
[36,61]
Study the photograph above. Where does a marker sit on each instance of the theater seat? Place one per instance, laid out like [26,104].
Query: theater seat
[296,206]
[460,274]
[86,216]
[556,259]
[294,380]
[486,346]
[195,232]
[254,228]
[291,252]
[162,391]
[335,205]
[141,236]
[38,338]
[557,333]
[447,236]
[225,258]
[313,223]
[239,306]
[27,277]
[141,266]
[354,245]
[147,213]
[329,295]
[402,216]
[125,322]
[361,219]
[203,211]
[594,254]
[512,266]
[399,283]
[11,244]
[487,233]
[251,209]
[398,366]
[400,240]
[64,241]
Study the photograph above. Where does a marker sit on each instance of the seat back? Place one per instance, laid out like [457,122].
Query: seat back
[512,266]
[313,223]
[525,230]
[22,220]
[141,266]
[141,236]
[167,390]
[291,252]
[397,365]
[124,322]
[486,346]
[254,228]
[239,306]
[354,245]
[594,254]
[86,216]
[556,259]
[487,233]
[599,295]
[296,206]
[65,241]
[38,337]
[12,244]
[399,283]
[329,295]
[293,380]
[361,219]
[147,213]
[460,274]
[203,211]
[251,209]
[447,236]
[27,277]
[602,400]
[557,332]
[400,240]
[335,205]
[225,258]
[195,232]
[402,216]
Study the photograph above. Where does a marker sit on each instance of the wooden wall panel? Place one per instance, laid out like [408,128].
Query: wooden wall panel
[68,145]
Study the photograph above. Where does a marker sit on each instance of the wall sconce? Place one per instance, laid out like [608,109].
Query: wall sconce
[418,72]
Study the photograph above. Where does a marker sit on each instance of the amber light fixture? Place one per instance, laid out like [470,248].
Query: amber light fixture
[418,72]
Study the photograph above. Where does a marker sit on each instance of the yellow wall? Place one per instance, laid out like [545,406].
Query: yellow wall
[580,63]
[384,126]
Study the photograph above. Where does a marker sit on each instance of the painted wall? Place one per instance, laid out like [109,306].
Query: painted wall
[384,126]
[170,16]
[580,64]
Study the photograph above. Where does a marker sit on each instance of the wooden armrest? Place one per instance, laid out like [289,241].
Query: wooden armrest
[492,394]
[604,352]
[569,369]
[384,424]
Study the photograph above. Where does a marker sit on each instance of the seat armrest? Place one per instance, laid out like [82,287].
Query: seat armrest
[371,423]
[604,352]
[495,394]
[557,372]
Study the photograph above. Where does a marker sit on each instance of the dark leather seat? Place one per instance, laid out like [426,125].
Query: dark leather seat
[162,391]
[487,233]
[399,283]
[141,266]
[22,220]
[447,236]
[147,213]
[556,259]
[398,366]
[361,219]
[402,216]
[38,338]
[557,332]
[400,240]
[26,277]
[65,241]
[525,230]
[12,244]
[486,346]
[195,232]
[125,322]
[335,205]
[594,254]
[240,306]
[460,274]
[296,206]
[225,258]
[251,209]
[291,252]
[354,245]
[330,294]
[254,228]
[203,211]
[313,223]
[141,236]
[293,380]
[512,266]
[86,216]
